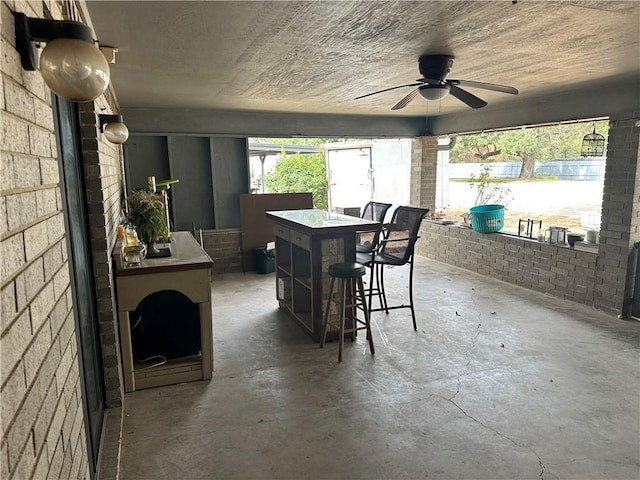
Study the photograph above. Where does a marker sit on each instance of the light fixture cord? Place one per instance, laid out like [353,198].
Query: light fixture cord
[426,120]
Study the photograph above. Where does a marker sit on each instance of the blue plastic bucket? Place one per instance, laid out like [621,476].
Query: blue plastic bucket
[487,218]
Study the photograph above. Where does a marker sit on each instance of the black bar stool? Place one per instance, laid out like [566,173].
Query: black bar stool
[351,299]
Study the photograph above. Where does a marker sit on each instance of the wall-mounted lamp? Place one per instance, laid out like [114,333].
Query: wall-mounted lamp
[70,64]
[114,128]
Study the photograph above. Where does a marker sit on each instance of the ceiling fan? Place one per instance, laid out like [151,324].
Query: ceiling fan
[434,84]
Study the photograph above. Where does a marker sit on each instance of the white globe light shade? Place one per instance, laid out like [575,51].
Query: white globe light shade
[74,69]
[116,132]
[434,92]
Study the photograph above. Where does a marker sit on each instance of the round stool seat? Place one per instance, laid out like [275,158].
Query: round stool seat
[347,270]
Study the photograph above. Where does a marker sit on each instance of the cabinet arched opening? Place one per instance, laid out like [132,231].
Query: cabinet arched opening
[164,326]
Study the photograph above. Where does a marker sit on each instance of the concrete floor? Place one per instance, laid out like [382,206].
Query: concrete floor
[498,382]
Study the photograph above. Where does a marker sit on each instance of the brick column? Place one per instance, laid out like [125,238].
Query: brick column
[620,223]
[424,165]
[103,180]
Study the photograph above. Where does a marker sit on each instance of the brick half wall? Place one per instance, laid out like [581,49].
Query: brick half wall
[224,248]
[556,270]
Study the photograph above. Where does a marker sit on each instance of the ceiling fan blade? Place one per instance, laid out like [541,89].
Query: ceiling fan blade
[466,97]
[387,89]
[405,101]
[486,86]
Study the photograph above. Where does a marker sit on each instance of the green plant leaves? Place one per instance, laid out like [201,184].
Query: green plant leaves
[146,212]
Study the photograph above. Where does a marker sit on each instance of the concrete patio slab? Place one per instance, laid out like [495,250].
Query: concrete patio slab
[497,383]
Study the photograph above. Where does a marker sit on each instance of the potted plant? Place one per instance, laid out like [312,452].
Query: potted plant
[146,213]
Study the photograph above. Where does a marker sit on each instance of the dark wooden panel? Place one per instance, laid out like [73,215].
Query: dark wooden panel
[192,198]
[256,228]
[145,156]
[230,163]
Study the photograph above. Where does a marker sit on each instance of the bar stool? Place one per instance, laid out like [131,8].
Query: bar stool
[351,299]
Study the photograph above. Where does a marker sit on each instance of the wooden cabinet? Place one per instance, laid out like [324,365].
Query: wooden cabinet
[188,272]
[307,242]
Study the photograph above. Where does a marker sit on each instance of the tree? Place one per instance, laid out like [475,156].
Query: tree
[474,148]
[530,145]
[567,138]
[527,145]
[300,140]
[300,172]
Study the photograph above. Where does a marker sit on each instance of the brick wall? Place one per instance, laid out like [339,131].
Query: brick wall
[619,225]
[42,420]
[560,271]
[224,248]
[424,166]
[43,431]
[103,177]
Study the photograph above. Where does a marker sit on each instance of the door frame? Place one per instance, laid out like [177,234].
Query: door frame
[78,237]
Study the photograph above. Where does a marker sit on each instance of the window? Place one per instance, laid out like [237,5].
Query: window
[537,173]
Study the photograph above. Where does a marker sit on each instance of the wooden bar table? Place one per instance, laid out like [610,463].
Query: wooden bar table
[307,242]
[188,271]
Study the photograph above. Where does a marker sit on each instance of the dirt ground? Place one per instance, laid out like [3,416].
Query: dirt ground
[511,218]
[560,203]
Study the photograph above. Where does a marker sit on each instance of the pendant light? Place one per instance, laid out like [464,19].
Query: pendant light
[593,144]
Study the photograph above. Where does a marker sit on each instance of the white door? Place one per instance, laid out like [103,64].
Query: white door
[349,173]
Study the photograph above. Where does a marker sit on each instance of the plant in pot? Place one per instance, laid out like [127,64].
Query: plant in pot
[146,213]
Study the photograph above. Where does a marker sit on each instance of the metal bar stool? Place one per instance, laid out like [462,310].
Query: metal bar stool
[351,299]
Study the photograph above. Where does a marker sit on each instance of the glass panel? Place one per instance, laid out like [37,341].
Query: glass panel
[82,284]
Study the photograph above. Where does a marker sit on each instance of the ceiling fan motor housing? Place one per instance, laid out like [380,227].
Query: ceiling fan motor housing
[436,67]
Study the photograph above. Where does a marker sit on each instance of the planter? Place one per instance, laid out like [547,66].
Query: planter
[572,238]
[487,218]
[147,214]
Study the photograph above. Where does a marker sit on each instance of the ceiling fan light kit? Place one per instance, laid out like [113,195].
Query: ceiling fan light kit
[434,92]
[434,85]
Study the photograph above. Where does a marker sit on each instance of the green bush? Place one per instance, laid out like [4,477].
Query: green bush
[299,173]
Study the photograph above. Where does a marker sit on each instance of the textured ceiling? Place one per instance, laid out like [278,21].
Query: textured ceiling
[316,56]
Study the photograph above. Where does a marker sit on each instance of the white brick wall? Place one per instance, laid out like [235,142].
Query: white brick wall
[43,432]
[424,162]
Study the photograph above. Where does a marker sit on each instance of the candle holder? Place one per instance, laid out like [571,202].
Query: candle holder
[134,254]
[526,227]
[558,235]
